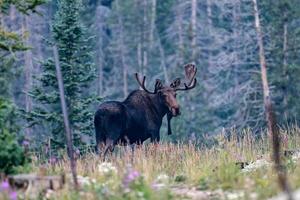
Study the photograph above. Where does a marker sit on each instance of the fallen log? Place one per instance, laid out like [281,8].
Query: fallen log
[25,181]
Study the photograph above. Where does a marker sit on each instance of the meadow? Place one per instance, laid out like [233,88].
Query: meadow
[60,59]
[177,171]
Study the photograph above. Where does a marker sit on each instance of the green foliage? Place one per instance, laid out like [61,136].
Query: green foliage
[78,72]
[224,176]
[24,6]
[6,75]
[136,190]
[12,41]
[203,183]
[180,178]
[11,153]
[8,116]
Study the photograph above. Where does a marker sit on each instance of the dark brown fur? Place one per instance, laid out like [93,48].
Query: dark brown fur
[139,116]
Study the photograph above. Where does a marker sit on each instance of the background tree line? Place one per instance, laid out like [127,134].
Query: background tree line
[103,42]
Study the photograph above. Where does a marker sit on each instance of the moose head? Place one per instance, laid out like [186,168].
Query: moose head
[167,93]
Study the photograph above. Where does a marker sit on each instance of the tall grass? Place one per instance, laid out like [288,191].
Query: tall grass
[189,165]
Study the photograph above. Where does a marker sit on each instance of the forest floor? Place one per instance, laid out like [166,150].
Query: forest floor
[232,169]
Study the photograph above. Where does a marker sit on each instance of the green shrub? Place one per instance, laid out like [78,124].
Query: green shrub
[11,152]
[180,178]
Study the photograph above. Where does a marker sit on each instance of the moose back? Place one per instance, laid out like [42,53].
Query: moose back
[140,115]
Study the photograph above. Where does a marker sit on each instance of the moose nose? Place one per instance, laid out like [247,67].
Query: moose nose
[175,111]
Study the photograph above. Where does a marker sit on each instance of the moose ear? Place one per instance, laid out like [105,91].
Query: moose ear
[175,83]
[158,85]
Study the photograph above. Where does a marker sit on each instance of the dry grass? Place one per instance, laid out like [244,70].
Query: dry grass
[186,164]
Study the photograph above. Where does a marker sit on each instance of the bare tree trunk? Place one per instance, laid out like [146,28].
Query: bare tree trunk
[193,29]
[162,57]
[1,20]
[209,54]
[270,116]
[209,22]
[139,39]
[285,73]
[122,49]
[12,16]
[236,13]
[100,76]
[145,61]
[28,73]
[139,56]
[99,56]
[180,35]
[66,117]
[152,27]
[145,37]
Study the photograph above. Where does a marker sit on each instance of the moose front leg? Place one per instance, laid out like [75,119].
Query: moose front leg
[169,117]
[155,138]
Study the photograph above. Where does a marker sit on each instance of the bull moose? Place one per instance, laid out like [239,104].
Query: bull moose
[140,115]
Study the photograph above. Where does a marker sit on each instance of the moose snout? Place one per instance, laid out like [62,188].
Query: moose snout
[175,111]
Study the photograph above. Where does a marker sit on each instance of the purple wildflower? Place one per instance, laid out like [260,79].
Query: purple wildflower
[4,185]
[13,195]
[77,151]
[130,177]
[25,143]
[52,160]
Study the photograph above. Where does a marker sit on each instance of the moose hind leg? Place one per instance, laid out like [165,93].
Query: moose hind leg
[155,138]
[109,146]
[99,148]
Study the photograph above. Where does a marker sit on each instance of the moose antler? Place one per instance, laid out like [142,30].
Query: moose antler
[142,83]
[190,74]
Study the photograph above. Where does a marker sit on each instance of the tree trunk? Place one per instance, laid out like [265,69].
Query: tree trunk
[193,29]
[163,59]
[139,39]
[236,17]
[145,61]
[100,76]
[28,72]
[12,24]
[99,54]
[152,27]
[209,22]
[145,37]
[285,73]
[122,50]
[65,116]
[1,20]
[270,116]
[180,35]
[139,56]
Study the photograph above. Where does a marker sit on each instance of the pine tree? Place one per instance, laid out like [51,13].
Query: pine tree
[78,72]
[12,153]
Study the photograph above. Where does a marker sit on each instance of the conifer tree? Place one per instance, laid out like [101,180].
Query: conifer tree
[78,72]
[12,153]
